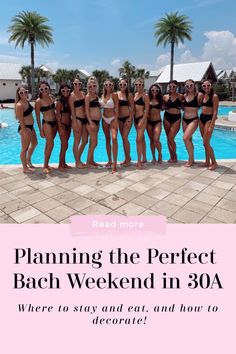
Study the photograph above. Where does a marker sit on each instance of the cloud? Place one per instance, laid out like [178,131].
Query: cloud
[116,62]
[162,60]
[187,57]
[220,48]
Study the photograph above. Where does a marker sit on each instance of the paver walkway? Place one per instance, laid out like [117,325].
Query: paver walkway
[184,195]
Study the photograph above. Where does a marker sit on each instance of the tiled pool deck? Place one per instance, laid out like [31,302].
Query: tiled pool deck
[184,195]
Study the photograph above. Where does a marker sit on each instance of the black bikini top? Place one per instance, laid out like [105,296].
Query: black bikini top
[47,108]
[192,103]
[94,103]
[79,103]
[28,111]
[65,107]
[157,106]
[173,104]
[140,101]
[123,103]
[207,103]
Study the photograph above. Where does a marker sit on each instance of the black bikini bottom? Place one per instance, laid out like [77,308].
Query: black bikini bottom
[83,120]
[96,121]
[205,118]
[190,120]
[136,120]
[49,122]
[153,123]
[123,119]
[172,118]
[67,126]
[30,126]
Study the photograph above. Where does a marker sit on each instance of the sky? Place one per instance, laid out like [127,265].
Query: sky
[102,34]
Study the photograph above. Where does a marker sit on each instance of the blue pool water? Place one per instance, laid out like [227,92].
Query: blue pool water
[224,143]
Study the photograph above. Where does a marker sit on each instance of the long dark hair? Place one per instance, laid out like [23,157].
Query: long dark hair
[64,100]
[172,82]
[159,94]
[126,90]
[17,94]
[193,84]
[43,83]
[211,94]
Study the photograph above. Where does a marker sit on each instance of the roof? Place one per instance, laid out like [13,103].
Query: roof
[183,72]
[10,71]
[84,72]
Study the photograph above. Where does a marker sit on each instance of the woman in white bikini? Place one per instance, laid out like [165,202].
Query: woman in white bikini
[110,125]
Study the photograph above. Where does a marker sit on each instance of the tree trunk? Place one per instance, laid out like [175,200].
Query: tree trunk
[172,60]
[32,70]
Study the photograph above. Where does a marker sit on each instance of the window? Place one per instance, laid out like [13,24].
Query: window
[16,84]
[4,84]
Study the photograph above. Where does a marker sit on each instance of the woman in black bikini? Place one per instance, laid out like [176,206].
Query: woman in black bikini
[45,104]
[210,103]
[154,124]
[29,141]
[63,116]
[93,113]
[125,117]
[172,117]
[191,105]
[141,103]
[79,122]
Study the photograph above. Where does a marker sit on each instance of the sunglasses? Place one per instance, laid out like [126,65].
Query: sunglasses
[77,83]
[208,85]
[23,92]
[108,85]
[65,91]
[92,86]
[138,84]
[189,86]
[122,85]
[43,89]
[155,90]
[172,86]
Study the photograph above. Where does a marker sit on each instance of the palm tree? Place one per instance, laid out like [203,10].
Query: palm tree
[62,76]
[141,73]
[127,71]
[101,76]
[32,28]
[172,29]
[25,73]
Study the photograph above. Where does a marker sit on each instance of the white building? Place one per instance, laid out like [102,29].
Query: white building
[198,72]
[10,79]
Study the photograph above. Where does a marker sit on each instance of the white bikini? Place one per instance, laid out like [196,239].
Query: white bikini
[109,104]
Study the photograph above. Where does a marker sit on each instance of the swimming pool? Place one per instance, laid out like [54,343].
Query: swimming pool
[224,143]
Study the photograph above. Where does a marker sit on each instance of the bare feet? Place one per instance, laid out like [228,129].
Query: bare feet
[139,166]
[67,166]
[27,170]
[95,163]
[188,163]
[90,165]
[29,164]
[61,168]
[126,163]
[47,170]
[80,165]
[213,167]
[205,164]
[108,164]
[114,168]
[154,161]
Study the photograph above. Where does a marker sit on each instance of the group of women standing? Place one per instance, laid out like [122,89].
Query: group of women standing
[80,112]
